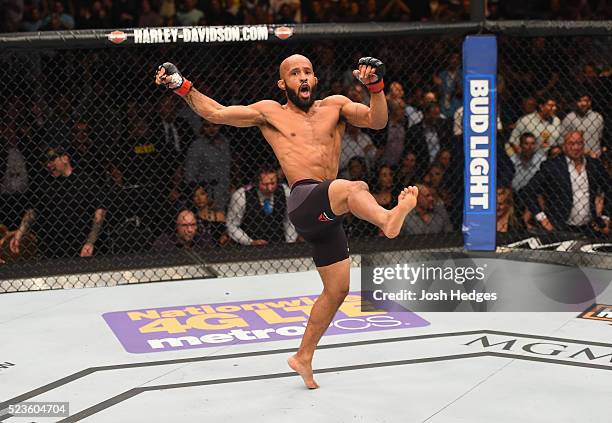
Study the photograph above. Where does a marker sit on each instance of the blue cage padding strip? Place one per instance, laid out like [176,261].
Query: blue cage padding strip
[479,137]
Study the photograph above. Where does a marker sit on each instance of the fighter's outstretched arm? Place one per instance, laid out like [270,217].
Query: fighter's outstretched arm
[240,116]
[360,115]
[209,109]
[370,73]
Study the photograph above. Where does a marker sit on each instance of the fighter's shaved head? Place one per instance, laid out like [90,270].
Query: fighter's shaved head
[298,82]
[291,62]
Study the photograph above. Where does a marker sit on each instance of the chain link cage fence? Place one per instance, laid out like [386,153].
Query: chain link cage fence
[109,179]
[554,190]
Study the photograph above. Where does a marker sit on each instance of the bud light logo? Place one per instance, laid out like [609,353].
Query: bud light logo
[480,124]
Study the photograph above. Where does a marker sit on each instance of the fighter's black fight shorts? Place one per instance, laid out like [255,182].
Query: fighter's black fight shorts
[311,214]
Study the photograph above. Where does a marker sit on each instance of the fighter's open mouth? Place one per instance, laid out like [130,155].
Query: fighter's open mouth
[304,88]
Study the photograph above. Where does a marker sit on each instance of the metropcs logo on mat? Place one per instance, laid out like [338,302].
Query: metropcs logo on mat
[246,322]
[598,312]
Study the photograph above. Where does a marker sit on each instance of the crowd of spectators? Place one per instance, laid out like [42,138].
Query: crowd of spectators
[42,15]
[112,172]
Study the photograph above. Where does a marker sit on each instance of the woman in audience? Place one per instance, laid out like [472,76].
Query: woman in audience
[434,178]
[384,191]
[209,220]
[443,158]
[406,174]
[506,216]
[357,169]
[554,151]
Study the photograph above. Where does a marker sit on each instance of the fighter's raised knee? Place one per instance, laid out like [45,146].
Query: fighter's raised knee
[356,186]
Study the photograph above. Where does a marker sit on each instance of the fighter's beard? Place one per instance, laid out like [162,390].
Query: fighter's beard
[300,103]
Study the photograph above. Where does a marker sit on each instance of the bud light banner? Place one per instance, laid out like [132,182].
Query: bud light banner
[479,77]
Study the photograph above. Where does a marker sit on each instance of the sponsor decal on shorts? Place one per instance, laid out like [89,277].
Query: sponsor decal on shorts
[601,312]
[245,322]
[323,217]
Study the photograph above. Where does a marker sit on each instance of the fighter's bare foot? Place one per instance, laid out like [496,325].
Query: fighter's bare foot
[406,201]
[304,370]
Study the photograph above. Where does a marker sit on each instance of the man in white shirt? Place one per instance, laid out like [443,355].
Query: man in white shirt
[13,176]
[257,215]
[294,5]
[356,143]
[458,123]
[395,137]
[587,121]
[415,114]
[527,162]
[429,218]
[209,159]
[543,123]
[13,168]
[191,15]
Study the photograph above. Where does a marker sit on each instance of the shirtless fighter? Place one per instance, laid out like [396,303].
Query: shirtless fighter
[305,135]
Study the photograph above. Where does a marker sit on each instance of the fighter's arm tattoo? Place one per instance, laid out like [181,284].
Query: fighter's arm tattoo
[96,226]
[189,99]
[200,103]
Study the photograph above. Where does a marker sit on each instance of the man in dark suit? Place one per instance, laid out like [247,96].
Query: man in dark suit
[574,188]
[147,172]
[171,130]
[172,134]
[257,214]
[430,136]
[427,139]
